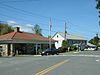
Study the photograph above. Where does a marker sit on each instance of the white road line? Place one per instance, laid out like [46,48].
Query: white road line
[75,52]
[82,55]
[98,60]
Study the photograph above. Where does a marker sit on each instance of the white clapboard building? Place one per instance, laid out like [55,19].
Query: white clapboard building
[72,39]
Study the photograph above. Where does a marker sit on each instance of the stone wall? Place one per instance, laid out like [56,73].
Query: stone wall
[4,51]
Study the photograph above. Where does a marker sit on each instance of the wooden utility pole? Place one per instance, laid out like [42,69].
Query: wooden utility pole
[50,27]
[65,30]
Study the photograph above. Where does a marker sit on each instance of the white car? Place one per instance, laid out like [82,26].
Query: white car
[90,49]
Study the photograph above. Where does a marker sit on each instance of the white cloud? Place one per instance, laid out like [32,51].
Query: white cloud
[30,25]
[11,22]
[23,27]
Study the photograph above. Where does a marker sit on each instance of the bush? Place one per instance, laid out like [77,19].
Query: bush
[65,43]
[73,48]
[62,49]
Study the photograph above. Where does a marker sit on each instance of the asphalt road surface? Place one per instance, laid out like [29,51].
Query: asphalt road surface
[79,63]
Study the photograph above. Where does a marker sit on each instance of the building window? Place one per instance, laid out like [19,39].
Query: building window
[1,48]
[57,36]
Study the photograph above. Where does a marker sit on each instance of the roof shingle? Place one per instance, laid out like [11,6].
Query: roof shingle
[23,36]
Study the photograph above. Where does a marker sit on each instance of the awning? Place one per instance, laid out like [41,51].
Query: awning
[24,41]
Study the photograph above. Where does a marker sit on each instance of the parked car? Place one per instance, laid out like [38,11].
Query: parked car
[90,49]
[49,51]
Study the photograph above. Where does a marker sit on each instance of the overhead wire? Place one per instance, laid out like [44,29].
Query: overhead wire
[25,25]
[17,1]
[24,12]
[43,29]
[33,24]
[22,18]
[31,13]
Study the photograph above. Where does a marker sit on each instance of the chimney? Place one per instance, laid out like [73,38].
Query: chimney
[17,29]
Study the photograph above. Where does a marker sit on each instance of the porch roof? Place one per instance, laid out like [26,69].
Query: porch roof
[23,37]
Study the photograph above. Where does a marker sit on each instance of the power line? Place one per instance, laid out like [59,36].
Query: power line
[31,13]
[25,25]
[33,24]
[42,29]
[26,12]
[20,19]
[17,1]
[24,18]
[6,8]
[11,17]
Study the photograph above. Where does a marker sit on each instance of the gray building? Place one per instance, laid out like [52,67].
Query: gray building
[72,40]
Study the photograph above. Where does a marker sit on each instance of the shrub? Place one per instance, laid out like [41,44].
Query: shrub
[62,49]
[65,43]
[73,48]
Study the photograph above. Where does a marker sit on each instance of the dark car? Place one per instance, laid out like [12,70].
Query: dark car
[49,51]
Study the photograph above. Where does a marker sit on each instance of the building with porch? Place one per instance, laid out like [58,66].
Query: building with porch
[19,42]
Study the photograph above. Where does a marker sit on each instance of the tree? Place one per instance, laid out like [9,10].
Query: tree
[98,4]
[64,47]
[95,41]
[5,28]
[49,36]
[98,7]
[65,44]
[37,30]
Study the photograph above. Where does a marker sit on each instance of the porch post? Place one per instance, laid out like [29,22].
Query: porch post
[11,49]
[40,46]
[36,48]
[6,50]
[40,49]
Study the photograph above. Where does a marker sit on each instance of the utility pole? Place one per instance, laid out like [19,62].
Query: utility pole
[96,34]
[65,30]
[50,26]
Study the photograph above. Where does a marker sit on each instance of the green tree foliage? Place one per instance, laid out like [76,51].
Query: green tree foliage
[49,36]
[73,48]
[98,4]
[5,28]
[98,7]
[95,41]
[65,43]
[64,47]
[37,30]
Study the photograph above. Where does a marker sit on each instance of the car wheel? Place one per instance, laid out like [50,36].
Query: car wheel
[47,54]
[57,53]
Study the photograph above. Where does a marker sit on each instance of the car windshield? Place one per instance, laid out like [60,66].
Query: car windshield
[50,49]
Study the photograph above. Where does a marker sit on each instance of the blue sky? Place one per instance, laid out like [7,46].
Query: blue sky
[81,16]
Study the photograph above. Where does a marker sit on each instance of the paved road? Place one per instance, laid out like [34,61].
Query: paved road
[65,64]
[83,53]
